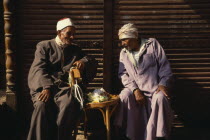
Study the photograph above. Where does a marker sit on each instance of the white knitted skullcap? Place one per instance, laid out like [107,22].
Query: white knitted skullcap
[63,23]
[128,31]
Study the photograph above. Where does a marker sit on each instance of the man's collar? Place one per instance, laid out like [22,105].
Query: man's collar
[58,41]
[143,41]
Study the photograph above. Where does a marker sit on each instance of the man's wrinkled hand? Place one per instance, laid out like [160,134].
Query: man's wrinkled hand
[44,95]
[139,96]
[80,65]
[164,89]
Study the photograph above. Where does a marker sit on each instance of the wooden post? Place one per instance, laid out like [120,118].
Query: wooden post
[10,54]
[108,41]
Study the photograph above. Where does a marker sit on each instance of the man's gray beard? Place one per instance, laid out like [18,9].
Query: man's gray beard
[129,49]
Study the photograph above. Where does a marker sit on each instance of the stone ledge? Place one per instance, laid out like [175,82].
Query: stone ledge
[2,97]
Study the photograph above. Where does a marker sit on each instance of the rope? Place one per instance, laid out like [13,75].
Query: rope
[77,91]
[78,94]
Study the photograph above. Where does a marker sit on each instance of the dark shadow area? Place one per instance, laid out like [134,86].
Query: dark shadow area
[116,81]
[200,7]
[2,49]
[191,103]
[10,124]
[117,84]
[95,128]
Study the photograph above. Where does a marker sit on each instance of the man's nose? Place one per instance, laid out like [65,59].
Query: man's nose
[124,43]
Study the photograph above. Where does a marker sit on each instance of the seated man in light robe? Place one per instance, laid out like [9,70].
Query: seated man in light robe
[144,112]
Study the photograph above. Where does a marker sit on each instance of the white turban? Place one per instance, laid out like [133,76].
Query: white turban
[128,31]
[63,23]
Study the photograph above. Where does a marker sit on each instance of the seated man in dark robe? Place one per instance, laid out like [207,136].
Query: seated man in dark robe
[56,110]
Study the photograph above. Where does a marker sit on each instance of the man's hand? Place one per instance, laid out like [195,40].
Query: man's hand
[44,95]
[80,65]
[164,89]
[139,96]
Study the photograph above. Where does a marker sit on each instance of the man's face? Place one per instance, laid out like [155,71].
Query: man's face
[129,43]
[67,35]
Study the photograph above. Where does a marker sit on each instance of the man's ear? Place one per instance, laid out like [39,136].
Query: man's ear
[58,32]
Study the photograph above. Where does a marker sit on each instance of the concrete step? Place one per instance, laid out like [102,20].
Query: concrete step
[180,131]
[2,97]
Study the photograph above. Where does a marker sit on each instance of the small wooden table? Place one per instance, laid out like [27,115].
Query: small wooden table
[106,108]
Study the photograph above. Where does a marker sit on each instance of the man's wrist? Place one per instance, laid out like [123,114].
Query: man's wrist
[46,87]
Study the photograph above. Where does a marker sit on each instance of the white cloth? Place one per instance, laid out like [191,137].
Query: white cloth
[128,31]
[58,41]
[134,55]
[63,23]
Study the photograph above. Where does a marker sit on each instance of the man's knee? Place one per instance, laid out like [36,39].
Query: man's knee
[40,106]
[160,97]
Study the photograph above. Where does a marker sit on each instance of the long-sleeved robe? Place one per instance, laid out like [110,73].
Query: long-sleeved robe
[153,69]
[59,115]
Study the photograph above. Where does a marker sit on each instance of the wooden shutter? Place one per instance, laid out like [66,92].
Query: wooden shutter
[183,29]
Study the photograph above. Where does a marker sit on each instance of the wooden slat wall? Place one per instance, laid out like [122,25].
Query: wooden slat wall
[37,21]
[2,49]
[183,29]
